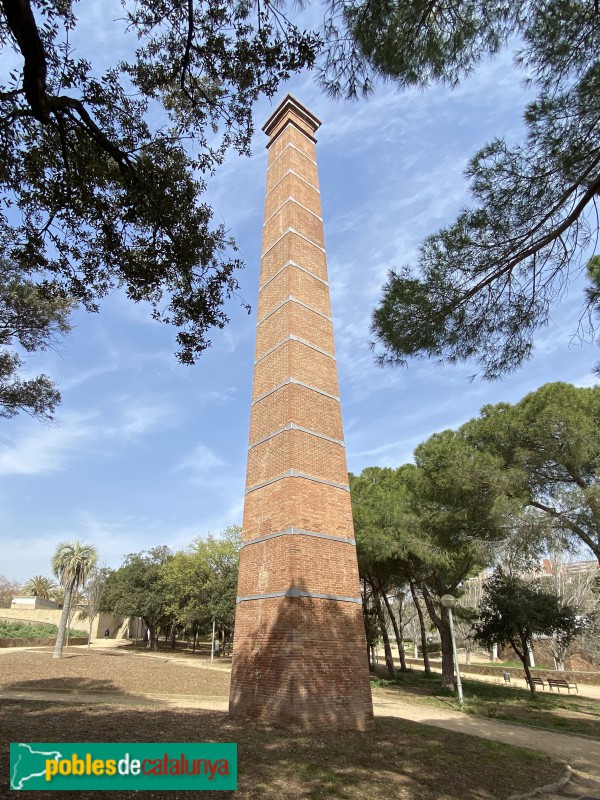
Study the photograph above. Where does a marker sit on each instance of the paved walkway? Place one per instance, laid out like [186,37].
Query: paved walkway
[582,754]
[584,689]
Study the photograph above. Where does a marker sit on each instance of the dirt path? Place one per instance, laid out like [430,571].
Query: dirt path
[582,754]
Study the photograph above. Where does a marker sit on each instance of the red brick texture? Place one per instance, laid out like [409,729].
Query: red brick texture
[299,648]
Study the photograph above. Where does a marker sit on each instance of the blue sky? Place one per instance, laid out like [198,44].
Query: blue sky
[147,452]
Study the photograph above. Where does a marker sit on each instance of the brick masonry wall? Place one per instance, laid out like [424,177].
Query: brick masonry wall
[296,283]
[293,159]
[296,248]
[295,449]
[299,321]
[293,215]
[292,185]
[297,502]
[276,564]
[301,664]
[297,404]
[290,359]
[299,657]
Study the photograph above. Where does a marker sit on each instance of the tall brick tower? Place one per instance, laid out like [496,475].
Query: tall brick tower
[299,648]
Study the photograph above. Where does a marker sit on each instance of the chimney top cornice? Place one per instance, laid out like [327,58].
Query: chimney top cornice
[291,111]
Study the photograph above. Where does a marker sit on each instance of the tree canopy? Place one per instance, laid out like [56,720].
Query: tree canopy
[509,487]
[487,282]
[72,564]
[549,444]
[31,318]
[185,590]
[432,525]
[514,611]
[39,586]
[137,589]
[201,582]
[8,590]
[103,169]
[593,291]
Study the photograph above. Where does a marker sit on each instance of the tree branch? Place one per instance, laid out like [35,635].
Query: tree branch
[569,524]
[23,27]
[593,189]
[188,44]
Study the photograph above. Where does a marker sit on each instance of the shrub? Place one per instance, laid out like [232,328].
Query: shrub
[37,630]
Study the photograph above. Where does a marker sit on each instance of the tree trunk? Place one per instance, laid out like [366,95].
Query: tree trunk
[90,633]
[366,623]
[64,618]
[195,636]
[442,623]
[494,653]
[559,653]
[70,623]
[530,656]
[398,632]
[152,638]
[447,652]
[525,661]
[173,637]
[426,664]
[389,659]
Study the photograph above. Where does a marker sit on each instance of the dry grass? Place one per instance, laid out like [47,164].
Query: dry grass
[110,671]
[397,759]
[556,712]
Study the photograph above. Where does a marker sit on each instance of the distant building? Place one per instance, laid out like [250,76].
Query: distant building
[572,568]
[30,603]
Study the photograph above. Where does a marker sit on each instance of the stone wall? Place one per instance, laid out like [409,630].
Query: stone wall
[117,625]
[47,642]
[516,672]
[47,615]
[30,602]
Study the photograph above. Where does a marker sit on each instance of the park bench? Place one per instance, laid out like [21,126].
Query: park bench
[561,683]
[536,682]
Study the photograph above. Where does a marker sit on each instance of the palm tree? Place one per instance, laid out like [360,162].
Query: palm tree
[39,586]
[72,562]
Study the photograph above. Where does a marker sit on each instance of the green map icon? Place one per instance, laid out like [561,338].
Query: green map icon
[28,766]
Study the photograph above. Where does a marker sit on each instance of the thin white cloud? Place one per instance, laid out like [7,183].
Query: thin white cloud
[137,417]
[200,463]
[47,448]
[35,448]
[588,381]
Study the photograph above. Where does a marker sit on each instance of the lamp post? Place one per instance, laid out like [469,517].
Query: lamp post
[449,601]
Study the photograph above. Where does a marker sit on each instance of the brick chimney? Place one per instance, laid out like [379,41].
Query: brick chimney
[299,653]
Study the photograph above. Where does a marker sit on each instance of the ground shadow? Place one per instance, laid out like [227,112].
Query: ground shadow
[65,684]
[395,759]
[75,689]
[81,689]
